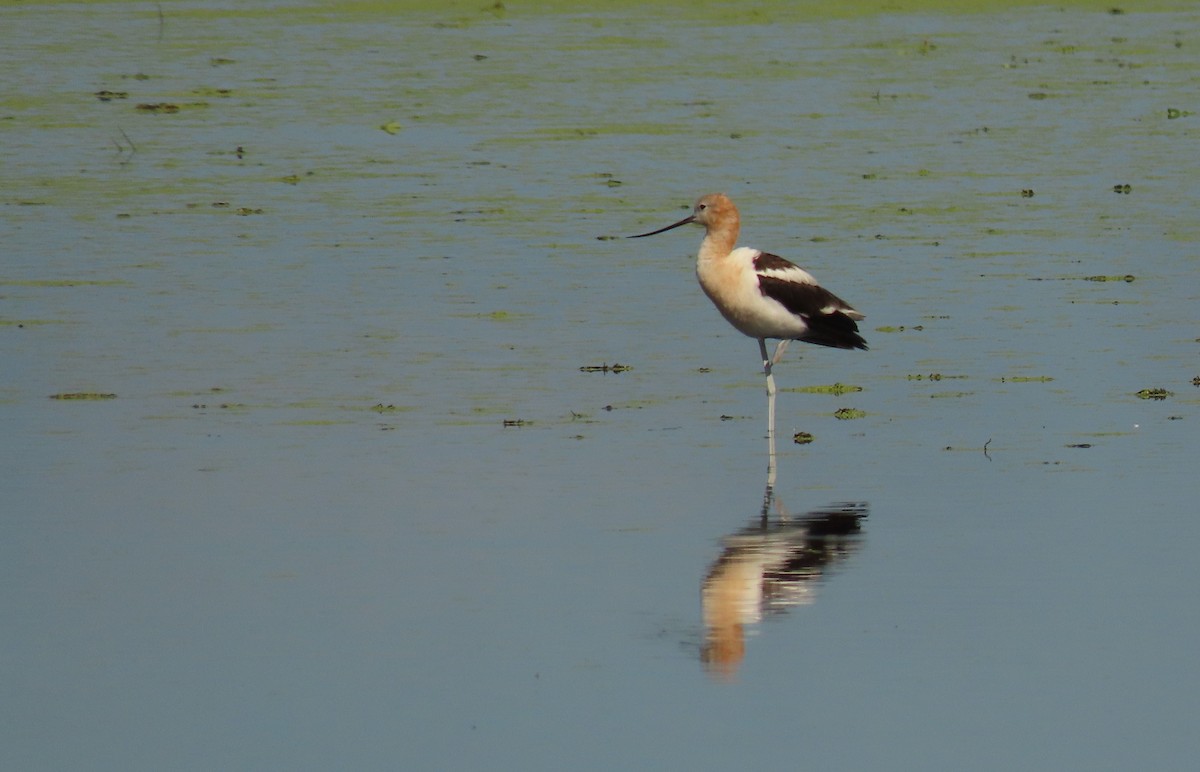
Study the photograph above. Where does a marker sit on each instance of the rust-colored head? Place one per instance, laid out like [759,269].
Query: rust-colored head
[714,211]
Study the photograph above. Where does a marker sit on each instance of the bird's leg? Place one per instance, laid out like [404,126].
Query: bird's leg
[779,349]
[767,362]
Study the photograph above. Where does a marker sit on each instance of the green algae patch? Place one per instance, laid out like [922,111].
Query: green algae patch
[1127,278]
[567,133]
[30,322]
[84,396]
[934,377]
[1025,379]
[951,394]
[466,11]
[62,283]
[849,413]
[1155,394]
[250,328]
[803,438]
[388,409]
[496,316]
[836,389]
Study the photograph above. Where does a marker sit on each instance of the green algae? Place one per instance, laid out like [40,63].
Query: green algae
[63,283]
[31,322]
[836,389]
[753,12]
[934,377]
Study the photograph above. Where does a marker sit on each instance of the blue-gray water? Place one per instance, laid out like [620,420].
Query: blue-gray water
[302,536]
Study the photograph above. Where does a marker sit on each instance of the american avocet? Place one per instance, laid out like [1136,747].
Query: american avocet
[763,295]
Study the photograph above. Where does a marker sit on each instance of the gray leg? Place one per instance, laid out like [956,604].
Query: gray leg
[767,362]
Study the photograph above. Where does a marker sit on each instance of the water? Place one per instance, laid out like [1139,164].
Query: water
[355,504]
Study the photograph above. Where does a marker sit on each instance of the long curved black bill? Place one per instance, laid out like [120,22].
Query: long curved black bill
[691,218]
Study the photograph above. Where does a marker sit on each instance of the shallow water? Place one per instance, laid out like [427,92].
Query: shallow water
[355,503]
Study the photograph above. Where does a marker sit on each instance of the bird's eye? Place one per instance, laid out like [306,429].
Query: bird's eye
[701,207]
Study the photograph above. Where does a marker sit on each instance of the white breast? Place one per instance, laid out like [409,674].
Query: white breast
[731,283]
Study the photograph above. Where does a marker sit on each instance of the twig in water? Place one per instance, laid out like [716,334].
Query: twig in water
[132,147]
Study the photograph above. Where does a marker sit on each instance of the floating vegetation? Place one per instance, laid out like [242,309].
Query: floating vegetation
[606,368]
[515,422]
[836,389]
[1027,193]
[1196,381]
[1174,112]
[1123,189]
[63,283]
[951,394]
[1079,445]
[158,107]
[1155,393]
[83,395]
[935,377]
[1127,278]
[391,127]
[105,95]
[849,413]
[802,438]
[21,324]
[901,328]
[1025,379]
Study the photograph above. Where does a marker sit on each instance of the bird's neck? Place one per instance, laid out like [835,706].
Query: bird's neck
[718,242]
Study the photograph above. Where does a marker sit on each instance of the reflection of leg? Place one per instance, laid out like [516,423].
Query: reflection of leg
[768,498]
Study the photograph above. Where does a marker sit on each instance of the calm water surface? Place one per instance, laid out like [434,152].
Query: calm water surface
[339,495]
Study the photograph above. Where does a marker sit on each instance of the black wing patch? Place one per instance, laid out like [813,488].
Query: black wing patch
[768,262]
[834,328]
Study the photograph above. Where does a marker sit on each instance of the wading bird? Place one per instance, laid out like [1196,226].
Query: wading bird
[763,295]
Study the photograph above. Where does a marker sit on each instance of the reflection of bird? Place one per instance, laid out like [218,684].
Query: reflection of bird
[763,295]
[767,568]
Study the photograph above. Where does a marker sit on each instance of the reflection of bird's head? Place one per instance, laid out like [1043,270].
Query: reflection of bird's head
[723,651]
